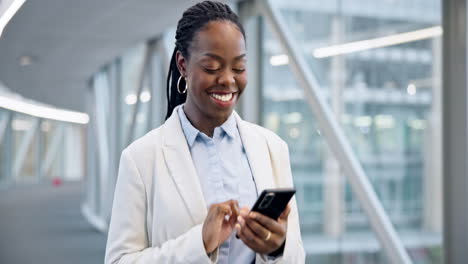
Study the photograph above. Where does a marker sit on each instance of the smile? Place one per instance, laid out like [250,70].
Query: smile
[222,97]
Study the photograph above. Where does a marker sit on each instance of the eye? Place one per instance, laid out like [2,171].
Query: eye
[210,70]
[239,70]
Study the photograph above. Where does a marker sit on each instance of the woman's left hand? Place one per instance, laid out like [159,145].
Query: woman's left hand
[261,233]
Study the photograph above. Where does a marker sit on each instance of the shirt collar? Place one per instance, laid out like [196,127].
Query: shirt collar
[230,126]
[191,133]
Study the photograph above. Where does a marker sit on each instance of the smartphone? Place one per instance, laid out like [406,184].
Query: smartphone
[272,202]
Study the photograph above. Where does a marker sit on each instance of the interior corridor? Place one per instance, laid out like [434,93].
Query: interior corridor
[42,223]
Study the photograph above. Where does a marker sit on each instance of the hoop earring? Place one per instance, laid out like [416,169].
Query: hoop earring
[178,83]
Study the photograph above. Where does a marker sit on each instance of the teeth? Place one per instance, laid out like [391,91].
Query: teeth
[222,97]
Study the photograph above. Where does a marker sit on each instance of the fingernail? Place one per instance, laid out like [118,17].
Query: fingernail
[240,219]
[238,228]
[252,215]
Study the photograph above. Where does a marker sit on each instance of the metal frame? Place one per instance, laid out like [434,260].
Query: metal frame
[53,149]
[250,104]
[433,152]
[3,126]
[151,84]
[26,142]
[7,135]
[101,95]
[39,150]
[337,141]
[157,74]
[115,116]
[92,208]
[455,130]
[334,182]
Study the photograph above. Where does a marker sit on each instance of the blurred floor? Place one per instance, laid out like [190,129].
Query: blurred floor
[40,223]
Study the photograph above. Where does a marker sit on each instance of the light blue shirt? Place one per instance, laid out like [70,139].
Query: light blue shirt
[224,173]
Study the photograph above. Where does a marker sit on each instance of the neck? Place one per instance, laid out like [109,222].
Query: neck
[204,123]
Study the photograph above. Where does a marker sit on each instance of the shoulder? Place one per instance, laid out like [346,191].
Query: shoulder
[149,147]
[144,150]
[145,143]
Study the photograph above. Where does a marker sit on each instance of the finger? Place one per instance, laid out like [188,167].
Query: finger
[235,207]
[258,229]
[250,238]
[238,230]
[241,220]
[244,211]
[233,211]
[284,215]
[267,222]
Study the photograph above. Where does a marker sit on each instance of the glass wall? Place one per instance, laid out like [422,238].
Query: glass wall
[132,76]
[25,147]
[378,66]
[34,149]
[124,103]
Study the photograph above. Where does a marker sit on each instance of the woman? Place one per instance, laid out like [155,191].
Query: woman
[180,187]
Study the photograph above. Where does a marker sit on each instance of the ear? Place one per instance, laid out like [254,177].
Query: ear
[181,63]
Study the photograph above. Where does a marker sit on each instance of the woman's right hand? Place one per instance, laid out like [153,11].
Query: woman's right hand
[219,224]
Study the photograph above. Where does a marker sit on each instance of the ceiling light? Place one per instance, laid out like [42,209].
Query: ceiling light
[417,124]
[43,111]
[378,42]
[25,60]
[411,89]
[363,121]
[385,121]
[21,125]
[131,99]
[145,96]
[279,60]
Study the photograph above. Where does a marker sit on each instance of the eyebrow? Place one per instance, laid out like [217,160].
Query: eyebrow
[221,58]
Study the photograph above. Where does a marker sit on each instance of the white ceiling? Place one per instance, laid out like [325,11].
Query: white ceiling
[71,40]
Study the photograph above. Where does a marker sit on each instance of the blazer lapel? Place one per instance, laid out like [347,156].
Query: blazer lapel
[181,168]
[257,154]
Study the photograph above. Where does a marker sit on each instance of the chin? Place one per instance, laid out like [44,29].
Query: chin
[221,113]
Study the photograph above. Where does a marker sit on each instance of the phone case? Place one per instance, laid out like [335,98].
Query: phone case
[272,202]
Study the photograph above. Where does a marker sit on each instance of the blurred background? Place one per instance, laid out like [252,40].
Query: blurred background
[353,86]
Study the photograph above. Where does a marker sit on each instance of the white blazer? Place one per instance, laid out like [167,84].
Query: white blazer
[159,208]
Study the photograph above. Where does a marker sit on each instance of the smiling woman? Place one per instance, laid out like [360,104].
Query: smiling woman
[181,187]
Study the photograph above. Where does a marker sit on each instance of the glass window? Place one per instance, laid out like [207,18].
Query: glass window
[52,133]
[381,91]
[25,145]
[132,64]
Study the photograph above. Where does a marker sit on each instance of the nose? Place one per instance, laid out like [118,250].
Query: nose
[226,78]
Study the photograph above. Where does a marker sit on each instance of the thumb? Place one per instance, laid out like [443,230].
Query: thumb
[284,215]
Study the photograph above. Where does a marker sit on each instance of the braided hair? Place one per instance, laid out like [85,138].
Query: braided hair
[192,21]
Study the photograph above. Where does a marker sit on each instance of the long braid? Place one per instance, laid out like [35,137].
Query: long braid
[192,21]
[174,98]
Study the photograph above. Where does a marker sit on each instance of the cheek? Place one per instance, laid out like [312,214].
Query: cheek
[241,81]
[201,83]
